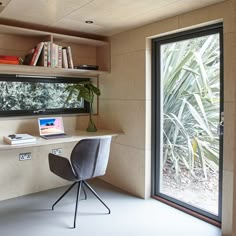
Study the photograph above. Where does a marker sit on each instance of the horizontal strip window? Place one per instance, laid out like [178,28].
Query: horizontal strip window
[30,95]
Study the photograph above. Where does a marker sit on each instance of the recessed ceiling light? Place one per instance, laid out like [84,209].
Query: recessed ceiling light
[89,22]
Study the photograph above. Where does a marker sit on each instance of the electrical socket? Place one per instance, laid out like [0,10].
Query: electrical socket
[57,151]
[25,156]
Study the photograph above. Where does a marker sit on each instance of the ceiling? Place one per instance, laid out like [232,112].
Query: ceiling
[109,16]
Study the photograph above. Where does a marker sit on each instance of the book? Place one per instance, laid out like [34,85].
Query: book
[19,139]
[59,57]
[28,57]
[36,54]
[69,57]
[43,58]
[9,62]
[9,58]
[49,54]
[54,55]
[87,67]
[64,58]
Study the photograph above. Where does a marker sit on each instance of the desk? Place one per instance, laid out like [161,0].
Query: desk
[76,135]
[18,178]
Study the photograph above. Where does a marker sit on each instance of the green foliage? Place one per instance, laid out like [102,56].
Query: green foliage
[17,96]
[191,93]
[85,90]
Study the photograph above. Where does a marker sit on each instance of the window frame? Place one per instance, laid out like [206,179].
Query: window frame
[156,129]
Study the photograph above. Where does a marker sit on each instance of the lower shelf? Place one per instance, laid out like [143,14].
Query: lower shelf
[47,71]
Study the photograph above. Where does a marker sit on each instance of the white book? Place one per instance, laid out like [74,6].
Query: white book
[64,58]
[53,55]
[60,56]
[49,54]
[19,139]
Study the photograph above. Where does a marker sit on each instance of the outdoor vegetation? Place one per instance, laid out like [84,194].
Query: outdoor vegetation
[190,103]
[190,78]
[35,95]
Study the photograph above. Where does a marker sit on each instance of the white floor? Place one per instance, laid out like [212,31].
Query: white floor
[31,215]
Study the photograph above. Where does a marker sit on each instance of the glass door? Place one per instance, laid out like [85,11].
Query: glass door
[188,119]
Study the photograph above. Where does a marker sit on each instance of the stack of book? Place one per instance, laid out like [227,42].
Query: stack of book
[49,54]
[9,60]
[19,139]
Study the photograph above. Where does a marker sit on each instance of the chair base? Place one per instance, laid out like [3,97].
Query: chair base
[80,185]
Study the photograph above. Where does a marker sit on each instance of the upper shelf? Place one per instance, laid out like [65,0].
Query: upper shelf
[12,30]
[18,41]
[38,70]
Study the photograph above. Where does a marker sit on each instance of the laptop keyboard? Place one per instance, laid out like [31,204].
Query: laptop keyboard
[52,136]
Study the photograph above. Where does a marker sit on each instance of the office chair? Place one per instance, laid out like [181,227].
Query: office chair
[89,159]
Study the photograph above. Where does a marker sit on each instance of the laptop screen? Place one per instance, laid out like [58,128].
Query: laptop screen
[50,125]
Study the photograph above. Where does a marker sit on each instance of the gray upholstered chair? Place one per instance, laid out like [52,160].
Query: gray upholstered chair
[89,159]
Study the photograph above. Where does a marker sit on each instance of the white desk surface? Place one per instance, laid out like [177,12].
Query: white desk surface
[76,135]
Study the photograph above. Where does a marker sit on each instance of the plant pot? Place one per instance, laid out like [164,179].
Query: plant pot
[91,126]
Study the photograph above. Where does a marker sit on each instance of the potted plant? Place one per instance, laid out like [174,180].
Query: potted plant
[85,90]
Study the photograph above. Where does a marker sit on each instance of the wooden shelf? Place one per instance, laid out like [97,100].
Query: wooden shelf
[18,41]
[12,30]
[47,71]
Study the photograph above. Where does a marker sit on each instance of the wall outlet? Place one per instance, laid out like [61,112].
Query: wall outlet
[57,151]
[25,156]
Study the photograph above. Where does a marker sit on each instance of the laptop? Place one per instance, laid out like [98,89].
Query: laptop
[51,128]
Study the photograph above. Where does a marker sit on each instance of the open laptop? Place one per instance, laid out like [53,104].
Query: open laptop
[51,127]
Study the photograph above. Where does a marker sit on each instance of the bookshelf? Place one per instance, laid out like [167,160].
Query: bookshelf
[18,42]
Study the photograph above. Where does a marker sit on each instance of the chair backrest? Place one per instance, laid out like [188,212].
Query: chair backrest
[89,157]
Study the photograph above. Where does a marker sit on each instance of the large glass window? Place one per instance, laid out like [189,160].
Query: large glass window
[32,96]
[189,118]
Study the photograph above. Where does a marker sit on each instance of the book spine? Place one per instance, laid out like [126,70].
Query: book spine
[53,55]
[56,55]
[9,58]
[36,54]
[45,54]
[60,56]
[69,56]
[19,141]
[42,61]
[64,58]
[49,54]
[23,141]
[9,62]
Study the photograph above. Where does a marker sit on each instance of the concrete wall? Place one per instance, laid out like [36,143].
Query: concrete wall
[126,100]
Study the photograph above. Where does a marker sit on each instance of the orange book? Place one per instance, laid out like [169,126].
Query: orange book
[9,58]
[9,62]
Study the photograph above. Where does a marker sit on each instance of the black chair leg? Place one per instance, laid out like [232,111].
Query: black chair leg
[58,200]
[96,195]
[77,199]
[85,194]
